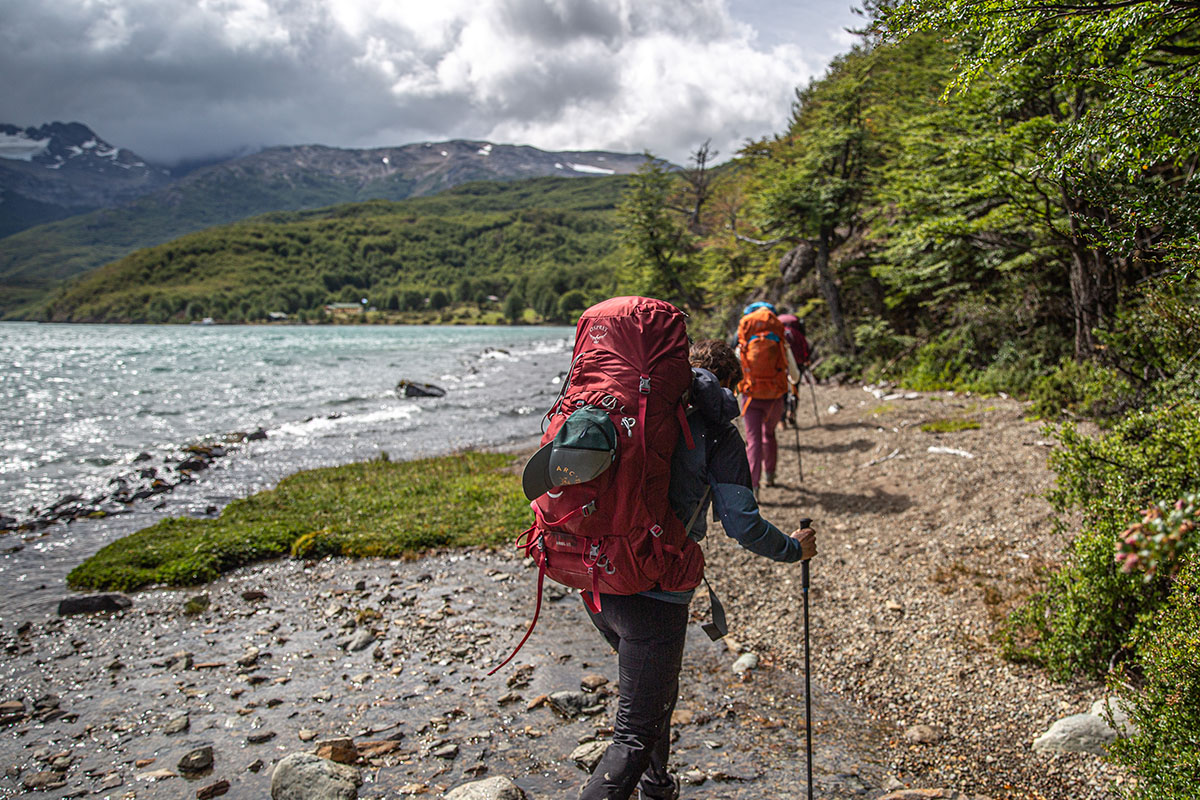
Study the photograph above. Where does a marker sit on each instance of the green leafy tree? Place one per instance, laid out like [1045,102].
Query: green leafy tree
[657,249]
[514,308]
[570,302]
[814,182]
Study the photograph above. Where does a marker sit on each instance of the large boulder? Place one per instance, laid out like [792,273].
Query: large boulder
[497,788]
[415,389]
[93,603]
[303,776]
[1079,733]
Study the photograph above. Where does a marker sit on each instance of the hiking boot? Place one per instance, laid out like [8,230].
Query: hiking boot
[769,479]
[672,793]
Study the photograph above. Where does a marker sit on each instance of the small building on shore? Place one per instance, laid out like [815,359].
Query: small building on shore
[343,309]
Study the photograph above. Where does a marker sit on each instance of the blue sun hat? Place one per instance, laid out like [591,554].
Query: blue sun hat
[758,305]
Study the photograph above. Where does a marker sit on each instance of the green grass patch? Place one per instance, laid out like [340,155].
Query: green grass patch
[949,425]
[373,508]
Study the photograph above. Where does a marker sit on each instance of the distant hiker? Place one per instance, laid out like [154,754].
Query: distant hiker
[638,445]
[793,331]
[768,368]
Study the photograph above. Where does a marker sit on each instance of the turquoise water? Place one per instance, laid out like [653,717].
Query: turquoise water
[80,404]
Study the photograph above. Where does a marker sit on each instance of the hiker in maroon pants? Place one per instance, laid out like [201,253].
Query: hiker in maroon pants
[768,368]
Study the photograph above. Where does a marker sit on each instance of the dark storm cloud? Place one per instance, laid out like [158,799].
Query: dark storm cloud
[175,79]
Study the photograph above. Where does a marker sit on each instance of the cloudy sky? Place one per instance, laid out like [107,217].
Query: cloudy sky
[182,79]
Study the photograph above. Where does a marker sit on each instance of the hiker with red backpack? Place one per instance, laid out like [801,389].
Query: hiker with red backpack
[793,332]
[768,369]
[639,443]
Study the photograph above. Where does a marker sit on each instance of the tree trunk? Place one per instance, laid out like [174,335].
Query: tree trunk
[1093,282]
[831,294]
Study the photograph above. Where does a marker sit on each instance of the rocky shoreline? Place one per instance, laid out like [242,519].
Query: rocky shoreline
[384,664]
[140,483]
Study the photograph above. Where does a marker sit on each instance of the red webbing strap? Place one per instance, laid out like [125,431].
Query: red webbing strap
[592,599]
[536,611]
[683,424]
[550,523]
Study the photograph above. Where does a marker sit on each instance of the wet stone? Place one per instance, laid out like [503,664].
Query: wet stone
[588,755]
[212,790]
[745,663]
[93,603]
[44,781]
[110,781]
[447,751]
[359,641]
[197,760]
[303,776]
[177,724]
[496,788]
[340,749]
[592,683]
[574,704]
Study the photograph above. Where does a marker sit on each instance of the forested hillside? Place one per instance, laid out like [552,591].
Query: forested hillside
[1001,195]
[291,178]
[543,243]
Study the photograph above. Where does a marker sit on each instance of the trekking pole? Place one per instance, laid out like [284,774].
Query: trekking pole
[799,461]
[812,387]
[804,523]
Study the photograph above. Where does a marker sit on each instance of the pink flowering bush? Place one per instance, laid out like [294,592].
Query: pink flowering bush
[1167,533]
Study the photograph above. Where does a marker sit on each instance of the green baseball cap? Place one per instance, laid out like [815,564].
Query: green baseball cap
[583,448]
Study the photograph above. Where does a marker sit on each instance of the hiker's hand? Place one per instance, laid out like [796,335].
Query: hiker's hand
[807,538]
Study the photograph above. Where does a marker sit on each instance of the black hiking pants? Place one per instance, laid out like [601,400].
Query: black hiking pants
[648,636]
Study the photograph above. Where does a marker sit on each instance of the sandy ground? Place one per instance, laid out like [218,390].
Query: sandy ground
[921,555]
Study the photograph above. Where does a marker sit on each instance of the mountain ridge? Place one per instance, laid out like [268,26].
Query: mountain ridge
[281,178]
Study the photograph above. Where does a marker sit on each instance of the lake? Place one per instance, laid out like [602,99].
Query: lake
[87,407]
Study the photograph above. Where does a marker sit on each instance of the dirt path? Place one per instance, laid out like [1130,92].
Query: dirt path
[921,554]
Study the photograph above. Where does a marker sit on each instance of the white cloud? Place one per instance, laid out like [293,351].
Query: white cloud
[182,78]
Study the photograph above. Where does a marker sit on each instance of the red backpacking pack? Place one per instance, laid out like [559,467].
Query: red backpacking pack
[760,348]
[616,533]
[793,330]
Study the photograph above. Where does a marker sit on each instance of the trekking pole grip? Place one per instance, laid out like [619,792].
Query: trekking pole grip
[804,523]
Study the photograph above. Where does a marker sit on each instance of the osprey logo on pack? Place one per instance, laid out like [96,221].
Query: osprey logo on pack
[597,332]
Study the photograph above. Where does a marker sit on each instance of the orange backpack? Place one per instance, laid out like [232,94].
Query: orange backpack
[764,364]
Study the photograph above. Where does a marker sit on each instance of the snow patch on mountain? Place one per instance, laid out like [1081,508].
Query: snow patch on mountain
[20,147]
[590,169]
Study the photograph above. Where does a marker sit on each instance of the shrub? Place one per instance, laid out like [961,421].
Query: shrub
[1084,389]
[1159,543]
[1164,751]
[1089,611]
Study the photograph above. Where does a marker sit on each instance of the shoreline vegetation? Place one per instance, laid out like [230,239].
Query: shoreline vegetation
[376,508]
